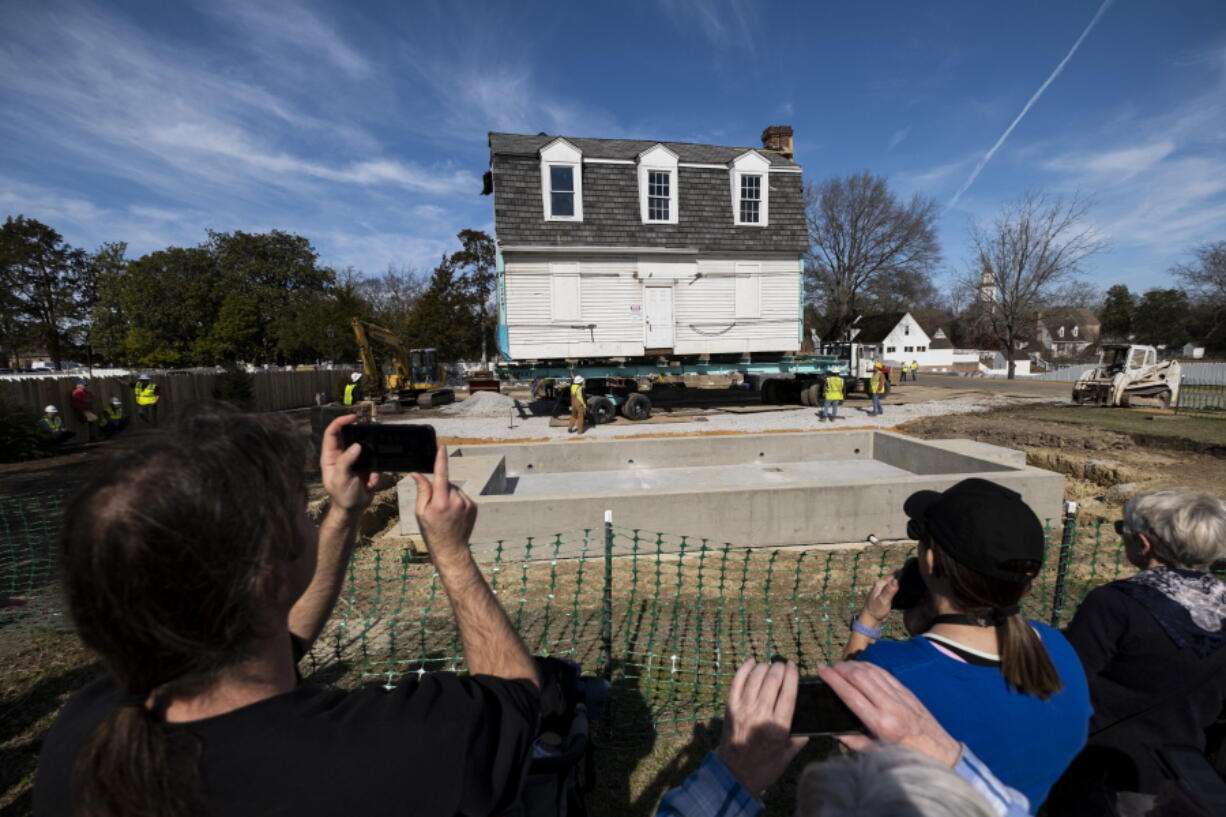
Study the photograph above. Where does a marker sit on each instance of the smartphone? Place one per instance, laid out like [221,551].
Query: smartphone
[911,587]
[820,712]
[392,447]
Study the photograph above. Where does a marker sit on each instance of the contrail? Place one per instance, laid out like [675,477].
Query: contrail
[988,156]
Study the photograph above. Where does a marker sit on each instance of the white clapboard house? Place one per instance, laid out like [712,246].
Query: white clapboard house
[618,248]
[903,340]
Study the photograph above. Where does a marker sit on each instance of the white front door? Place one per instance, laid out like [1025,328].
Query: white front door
[658,317]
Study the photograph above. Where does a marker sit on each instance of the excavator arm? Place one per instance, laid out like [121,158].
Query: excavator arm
[364,331]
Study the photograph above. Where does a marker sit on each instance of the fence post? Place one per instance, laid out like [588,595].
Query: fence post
[1066,550]
[606,601]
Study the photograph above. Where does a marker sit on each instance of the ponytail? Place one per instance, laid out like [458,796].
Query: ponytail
[132,765]
[1024,661]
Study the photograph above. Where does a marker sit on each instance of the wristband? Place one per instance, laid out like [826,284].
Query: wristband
[863,629]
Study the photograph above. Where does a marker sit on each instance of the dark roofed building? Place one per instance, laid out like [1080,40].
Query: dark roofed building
[1068,330]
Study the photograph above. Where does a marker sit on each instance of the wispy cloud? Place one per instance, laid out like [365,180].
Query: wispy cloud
[726,25]
[897,138]
[987,157]
[293,26]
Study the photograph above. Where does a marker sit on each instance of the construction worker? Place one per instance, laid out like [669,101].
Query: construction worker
[832,393]
[51,427]
[146,393]
[83,407]
[353,391]
[914,371]
[876,387]
[578,406]
[112,420]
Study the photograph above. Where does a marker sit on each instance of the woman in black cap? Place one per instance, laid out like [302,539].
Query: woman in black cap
[1010,689]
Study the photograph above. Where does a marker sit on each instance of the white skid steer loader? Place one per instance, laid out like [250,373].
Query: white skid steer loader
[1125,372]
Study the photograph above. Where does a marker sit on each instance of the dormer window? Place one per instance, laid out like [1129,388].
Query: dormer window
[750,189]
[1075,328]
[1060,332]
[562,181]
[658,185]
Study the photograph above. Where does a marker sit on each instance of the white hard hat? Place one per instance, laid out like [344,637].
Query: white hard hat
[143,377]
[115,401]
[355,377]
[578,381]
[51,410]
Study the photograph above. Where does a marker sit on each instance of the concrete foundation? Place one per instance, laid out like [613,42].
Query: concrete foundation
[753,489]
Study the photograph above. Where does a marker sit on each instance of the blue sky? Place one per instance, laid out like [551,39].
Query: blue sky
[363,125]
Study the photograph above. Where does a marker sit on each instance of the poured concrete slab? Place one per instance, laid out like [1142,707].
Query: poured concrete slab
[752,489]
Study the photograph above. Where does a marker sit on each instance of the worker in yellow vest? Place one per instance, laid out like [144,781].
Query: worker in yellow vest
[832,394]
[112,420]
[876,387]
[914,371]
[147,395]
[353,391]
[578,406]
[51,427]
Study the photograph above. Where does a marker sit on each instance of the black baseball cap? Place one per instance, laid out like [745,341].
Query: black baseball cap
[983,526]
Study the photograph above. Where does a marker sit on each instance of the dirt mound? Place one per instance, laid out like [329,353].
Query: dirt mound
[481,404]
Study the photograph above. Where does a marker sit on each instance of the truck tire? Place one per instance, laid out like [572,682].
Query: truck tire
[770,392]
[601,409]
[806,396]
[637,407]
[815,394]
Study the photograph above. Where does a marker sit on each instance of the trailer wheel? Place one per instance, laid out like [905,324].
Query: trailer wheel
[637,407]
[814,393]
[770,392]
[601,409]
[806,396]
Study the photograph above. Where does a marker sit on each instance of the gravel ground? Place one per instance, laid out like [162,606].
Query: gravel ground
[504,427]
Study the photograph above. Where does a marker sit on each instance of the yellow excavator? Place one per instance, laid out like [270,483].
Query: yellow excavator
[419,378]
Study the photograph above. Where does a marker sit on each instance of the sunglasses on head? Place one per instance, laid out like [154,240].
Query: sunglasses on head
[1122,529]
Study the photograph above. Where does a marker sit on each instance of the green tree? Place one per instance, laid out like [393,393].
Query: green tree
[45,280]
[170,300]
[444,317]
[475,268]
[236,333]
[1116,313]
[107,326]
[1162,316]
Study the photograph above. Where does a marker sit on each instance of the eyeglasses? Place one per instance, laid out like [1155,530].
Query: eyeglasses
[1122,529]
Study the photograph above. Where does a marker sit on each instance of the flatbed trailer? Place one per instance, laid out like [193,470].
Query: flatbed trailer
[617,386]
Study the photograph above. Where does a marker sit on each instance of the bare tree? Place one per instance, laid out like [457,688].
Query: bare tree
[1206,276]
[1033,246]
[860,237]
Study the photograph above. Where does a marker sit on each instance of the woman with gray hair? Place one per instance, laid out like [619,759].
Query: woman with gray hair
[1154,650]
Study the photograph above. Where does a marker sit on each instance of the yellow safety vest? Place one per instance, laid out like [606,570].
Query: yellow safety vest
[576,393]
[348,401]
[146,395]
[834,387]
[52,423]
[914,366]
[876,383]
[112,415]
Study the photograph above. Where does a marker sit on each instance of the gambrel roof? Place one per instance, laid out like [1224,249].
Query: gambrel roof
[611,215]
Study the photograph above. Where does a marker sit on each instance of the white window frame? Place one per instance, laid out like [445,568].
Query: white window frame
[557,272]
[750,163]
[753,272]
[658,159]
[561,153]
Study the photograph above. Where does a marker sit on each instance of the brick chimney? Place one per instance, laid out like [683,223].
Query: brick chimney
[778,138]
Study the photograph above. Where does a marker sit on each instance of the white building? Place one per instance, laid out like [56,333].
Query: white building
[621,248]
[903,340]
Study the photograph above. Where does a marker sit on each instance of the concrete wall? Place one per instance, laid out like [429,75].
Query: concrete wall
[820,512]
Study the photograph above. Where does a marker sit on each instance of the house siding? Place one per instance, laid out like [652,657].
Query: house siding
[611,298]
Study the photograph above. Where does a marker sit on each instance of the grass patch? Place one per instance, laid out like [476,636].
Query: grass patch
[1149,424]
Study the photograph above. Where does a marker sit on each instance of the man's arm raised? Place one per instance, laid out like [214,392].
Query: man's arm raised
[350,494]
[446,516]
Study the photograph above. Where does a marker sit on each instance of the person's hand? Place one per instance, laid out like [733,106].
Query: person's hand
[445,514]
[349,490]
[877,605]
[755,744]
[889,711]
